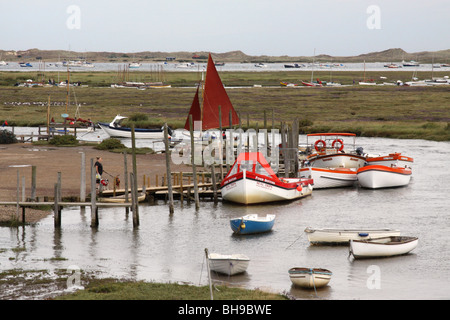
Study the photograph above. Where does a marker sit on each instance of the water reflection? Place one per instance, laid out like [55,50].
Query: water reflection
[170,248]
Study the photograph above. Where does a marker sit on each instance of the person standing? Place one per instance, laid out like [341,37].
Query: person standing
[98,169]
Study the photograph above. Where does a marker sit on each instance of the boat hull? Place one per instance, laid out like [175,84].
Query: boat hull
[250,189]
[228,264]
[250,224]
[330,177]
[343,236]
[124,132]
[337,160]
[378,176]
[382,247]
[310,277]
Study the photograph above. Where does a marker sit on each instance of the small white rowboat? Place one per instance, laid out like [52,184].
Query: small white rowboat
[382,247]
[310,277]
[228,264]
[343,236]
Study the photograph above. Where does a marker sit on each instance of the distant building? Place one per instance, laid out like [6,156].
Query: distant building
[170,58]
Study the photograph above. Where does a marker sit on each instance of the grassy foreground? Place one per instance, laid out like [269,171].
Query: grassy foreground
[44,284]
[114,290]
[380,111]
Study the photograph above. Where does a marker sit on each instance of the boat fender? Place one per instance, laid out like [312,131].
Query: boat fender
[299,188]
[363,234]
[320,145]
[339,146]
[242,226]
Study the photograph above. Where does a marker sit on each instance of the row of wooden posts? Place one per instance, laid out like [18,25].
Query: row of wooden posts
[289,144]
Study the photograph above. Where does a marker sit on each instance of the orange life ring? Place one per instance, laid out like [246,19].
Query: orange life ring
[341,143]
[321,147]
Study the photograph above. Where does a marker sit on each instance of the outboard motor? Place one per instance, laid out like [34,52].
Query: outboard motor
[360,151]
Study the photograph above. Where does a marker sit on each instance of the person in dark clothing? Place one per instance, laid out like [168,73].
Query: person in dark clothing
[98,169]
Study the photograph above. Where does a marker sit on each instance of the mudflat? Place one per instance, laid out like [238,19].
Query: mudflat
[49,160]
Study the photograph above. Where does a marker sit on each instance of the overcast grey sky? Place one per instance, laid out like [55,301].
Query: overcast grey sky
[256,27]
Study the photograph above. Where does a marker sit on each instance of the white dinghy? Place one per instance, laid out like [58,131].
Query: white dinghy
[229,264]
[309,277]
[382,247]
[343,236]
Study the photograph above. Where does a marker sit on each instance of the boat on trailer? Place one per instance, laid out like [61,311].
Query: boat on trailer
[379,176]
[251,180]
[382,247]
[310,277]
[334,150]
[343,236]
[252,223]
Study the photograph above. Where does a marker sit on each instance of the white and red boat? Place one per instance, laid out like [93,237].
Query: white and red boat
[392,160]
[251,180]
[378,176]
[335,150]
[330,177]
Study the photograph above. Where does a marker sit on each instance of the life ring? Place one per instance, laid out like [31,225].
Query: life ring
[321,147]
[341,144]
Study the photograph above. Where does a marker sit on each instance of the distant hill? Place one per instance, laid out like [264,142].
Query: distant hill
[390,55]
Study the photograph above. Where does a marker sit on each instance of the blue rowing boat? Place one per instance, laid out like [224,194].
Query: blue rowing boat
[252,223]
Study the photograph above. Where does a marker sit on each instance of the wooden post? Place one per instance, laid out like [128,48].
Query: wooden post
[248,135]
[213,181]
[56,212]
[273,119]
[181,189]
[94,212]
[133,194]
[83,178]
[194,169]
[125,169]
[23,189]
[136,207]
[33,183]
[220,142]
[17,196]
[295,133]
[169,173]
[283,148]
[265,120]
[59,186]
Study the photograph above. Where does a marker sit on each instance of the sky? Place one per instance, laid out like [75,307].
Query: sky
[255,27]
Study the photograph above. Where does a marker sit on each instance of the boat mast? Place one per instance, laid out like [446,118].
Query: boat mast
[312,67]
[67,92]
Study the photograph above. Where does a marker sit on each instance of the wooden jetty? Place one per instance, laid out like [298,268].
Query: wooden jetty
[205,185]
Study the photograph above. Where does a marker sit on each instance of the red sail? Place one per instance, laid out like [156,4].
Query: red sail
[195,111]
[214,95]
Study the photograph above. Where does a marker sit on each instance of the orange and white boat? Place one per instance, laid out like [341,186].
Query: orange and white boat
[330,177]
[251,180]
[334,150]
[378,176]
[392,160]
